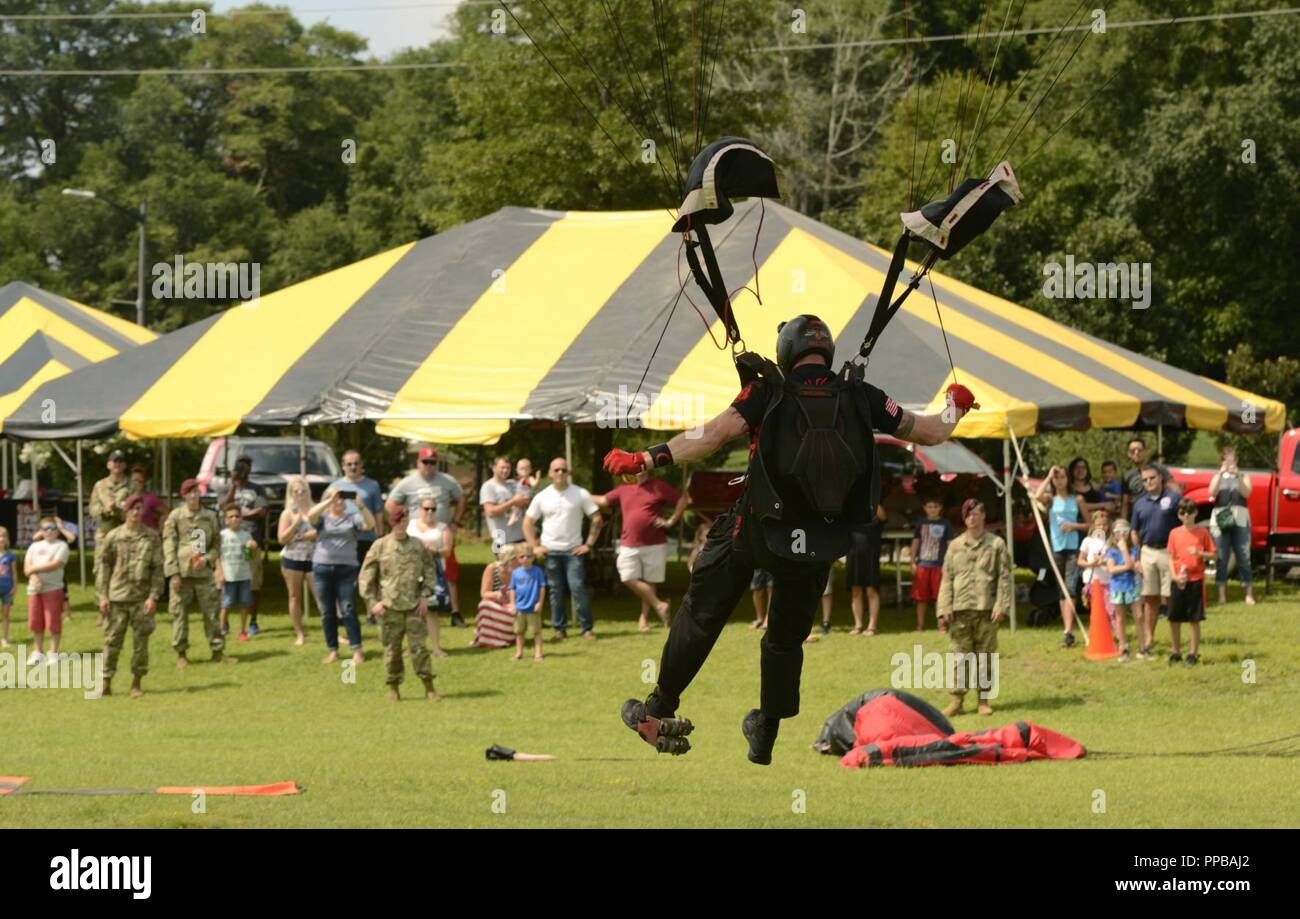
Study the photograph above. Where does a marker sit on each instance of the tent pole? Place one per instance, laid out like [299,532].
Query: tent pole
[568,446]
[81,521]
[1042,532]
[1010,521]
[302,451]
[4,465]
[1160,442]
[36,488]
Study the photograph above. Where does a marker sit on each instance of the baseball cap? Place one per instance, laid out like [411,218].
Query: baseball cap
[188,486]
[428,453]
[116,455]
[968,505]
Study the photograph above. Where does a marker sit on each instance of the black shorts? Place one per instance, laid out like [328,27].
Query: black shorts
[864,557]
[292,564]
[1187,604]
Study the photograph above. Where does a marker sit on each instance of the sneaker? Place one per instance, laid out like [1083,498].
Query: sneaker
[1124,656]
[559,635]
[761,734]
[1174,659]
[253,629]
[1068,640]
[666,735]
[589,635]
[1193,660]
[826,628]
[457,620]
[225,630]
[51,658]
[243,636]
[34,658]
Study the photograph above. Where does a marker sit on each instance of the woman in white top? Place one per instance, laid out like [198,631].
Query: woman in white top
[437,538]
[298,537]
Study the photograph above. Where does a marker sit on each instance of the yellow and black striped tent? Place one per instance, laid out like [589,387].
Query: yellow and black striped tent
[44,336]
[530,314]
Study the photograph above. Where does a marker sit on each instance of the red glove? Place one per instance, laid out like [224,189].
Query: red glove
[620,462]
[961,397]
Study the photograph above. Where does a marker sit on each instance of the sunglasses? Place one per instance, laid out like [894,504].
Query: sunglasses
[559,471]
[426,507]
[428,462]
[1147,478]
[50,529]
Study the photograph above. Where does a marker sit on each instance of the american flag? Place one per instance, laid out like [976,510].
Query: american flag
[891,406]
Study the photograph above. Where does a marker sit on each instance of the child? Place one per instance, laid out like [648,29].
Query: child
[1121,565]
[929,545]
[1092,562]
[43,565]
[1190,547]
[526,480]
[235,572]
[7,587]
[1112,489]
[528,586]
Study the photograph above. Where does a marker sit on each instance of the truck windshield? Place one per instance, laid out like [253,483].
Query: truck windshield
[273,459]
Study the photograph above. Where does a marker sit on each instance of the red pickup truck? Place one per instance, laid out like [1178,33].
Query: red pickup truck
[1274,500]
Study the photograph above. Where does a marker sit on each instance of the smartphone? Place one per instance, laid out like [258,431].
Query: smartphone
[348,495]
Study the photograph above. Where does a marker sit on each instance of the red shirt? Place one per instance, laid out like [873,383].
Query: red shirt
[640,504]
[1183,544]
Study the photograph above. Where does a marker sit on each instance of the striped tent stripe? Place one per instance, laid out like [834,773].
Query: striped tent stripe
[528,314]
[44,336]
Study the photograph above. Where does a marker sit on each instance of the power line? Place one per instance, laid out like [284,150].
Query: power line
[205,71]
[186,14]
[1134,24]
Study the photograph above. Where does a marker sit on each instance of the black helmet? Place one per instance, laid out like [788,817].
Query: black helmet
[802,335]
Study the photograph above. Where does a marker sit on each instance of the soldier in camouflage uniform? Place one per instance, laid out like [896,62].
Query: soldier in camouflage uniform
[129,581]
[395,577]
[106,502]
[191,543]
[975,594]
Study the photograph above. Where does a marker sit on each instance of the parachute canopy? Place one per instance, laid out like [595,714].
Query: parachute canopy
[948,225]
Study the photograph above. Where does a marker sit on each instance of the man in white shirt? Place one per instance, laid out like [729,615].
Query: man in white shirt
[561,506]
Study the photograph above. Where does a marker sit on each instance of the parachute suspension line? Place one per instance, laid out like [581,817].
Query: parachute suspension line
[965,103]
[670,106]
[638,87]
[590,114]
[1036,69]
[753,256]
[907,82]
[929,138]
[1148,39]
[944,331]
[720,27]
[607,91]
[1034,111]
[681,289]
[969,156]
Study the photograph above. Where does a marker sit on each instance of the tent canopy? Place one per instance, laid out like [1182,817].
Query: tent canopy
[529,314]
[44,336]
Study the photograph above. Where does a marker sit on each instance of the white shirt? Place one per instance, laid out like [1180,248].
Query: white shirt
[1090,550]
[561,515]
[48,551]
[432,538]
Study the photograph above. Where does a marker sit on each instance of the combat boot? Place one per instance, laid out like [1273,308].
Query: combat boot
[666,735]
[136,689]
[953,707]
[761,733]
[430,695]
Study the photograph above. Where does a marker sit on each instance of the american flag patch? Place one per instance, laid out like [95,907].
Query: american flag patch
[890,405]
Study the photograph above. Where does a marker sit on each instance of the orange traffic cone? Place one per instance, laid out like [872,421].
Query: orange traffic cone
[1101,641]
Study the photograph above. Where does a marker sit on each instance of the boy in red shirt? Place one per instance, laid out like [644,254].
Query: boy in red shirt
[1189,548]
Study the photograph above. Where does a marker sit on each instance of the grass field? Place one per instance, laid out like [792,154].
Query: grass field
[281,715]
